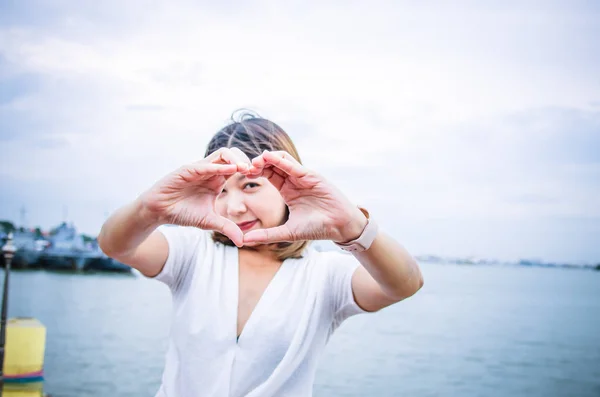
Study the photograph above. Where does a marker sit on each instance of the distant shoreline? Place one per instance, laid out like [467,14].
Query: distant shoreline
[487,262]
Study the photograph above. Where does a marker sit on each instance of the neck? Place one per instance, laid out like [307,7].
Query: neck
[259,257]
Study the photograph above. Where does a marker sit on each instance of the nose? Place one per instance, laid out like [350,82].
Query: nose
[235,204]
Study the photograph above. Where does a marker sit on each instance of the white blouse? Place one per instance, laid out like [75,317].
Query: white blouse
[277,352]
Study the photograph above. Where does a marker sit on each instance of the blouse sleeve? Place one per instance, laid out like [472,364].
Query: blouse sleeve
[185,246]
[340,268]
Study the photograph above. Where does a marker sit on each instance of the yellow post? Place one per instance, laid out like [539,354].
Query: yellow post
[25,348]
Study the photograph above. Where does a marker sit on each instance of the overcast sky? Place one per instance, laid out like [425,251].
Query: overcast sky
[469,128]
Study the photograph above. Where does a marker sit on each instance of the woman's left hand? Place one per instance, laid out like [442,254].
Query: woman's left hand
[318,210]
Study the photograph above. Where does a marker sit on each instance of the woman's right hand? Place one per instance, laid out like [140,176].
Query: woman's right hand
[187,196]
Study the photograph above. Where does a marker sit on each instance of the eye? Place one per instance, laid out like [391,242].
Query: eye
[251,184]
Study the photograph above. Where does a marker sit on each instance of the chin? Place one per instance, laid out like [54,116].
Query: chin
[256,246]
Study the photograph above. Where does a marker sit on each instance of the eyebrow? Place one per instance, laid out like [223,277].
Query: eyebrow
[240,177]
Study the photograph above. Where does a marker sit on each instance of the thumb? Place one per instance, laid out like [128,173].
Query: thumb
[271,235]
[226,227]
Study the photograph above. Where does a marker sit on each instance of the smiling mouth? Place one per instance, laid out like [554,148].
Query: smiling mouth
[247,225]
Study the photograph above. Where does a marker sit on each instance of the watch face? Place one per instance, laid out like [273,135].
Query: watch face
[364,211]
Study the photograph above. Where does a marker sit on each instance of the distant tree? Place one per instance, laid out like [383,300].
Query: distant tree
[21,229]
[38,232]
[7,226]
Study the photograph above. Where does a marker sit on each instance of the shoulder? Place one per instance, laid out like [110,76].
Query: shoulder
[335,260]
[188,250]
[333,265]
[338,268]
[189,243]
[186,235]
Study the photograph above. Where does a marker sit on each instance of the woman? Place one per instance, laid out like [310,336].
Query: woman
[253,304]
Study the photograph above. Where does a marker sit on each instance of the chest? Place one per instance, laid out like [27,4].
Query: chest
[252,286]
[228,302]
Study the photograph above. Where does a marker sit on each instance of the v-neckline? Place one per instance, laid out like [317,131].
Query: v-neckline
[259,303]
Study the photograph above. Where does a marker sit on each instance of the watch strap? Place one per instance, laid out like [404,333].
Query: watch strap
[366,238]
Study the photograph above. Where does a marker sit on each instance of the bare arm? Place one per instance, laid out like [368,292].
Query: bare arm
[388,274]
[129,236]
[184,197]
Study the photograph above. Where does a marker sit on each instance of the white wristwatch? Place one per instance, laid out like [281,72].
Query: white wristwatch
[366,238]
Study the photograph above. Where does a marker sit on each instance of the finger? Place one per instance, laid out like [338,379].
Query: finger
[244,163]
[229,156]
[226,227]
[214,155]
[285,155]
[271,235]
[274,176]
[255,171]
[241,155]
[195,171]
[218,169]
[280,153]
[291,168]
[261,169]
[259,164]
[259,161]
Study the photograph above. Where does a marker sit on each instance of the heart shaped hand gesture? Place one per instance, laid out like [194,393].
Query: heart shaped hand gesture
[318,210]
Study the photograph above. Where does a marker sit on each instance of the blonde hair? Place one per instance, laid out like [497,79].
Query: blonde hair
[253,135]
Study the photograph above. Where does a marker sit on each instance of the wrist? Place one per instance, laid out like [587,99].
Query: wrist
[147,217]
[366,237]
[354,229]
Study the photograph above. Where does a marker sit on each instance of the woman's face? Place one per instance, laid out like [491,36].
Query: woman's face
[253,200]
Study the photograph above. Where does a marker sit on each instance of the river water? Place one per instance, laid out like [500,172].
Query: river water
[470,331]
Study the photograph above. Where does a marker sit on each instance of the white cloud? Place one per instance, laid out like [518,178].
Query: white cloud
[423,96]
